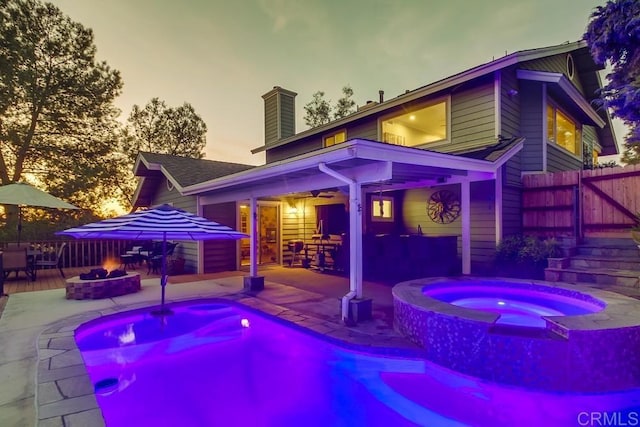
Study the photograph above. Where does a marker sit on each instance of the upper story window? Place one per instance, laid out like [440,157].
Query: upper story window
[417,127]
[381,208]
[562,130]
[335,138]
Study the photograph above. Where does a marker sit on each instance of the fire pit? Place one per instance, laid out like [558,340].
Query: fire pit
[101,283]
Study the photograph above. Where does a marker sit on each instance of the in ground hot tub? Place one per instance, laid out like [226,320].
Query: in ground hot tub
[558,337]
[515,305]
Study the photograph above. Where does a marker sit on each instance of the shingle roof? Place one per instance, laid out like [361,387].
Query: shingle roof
[493,152]
[189,171]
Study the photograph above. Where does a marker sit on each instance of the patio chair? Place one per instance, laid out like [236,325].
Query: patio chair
[55,262]
[14,258]
[154,262]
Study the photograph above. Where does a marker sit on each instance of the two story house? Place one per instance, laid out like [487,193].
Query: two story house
[426,182]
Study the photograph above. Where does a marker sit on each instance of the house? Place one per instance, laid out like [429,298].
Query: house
[436,167]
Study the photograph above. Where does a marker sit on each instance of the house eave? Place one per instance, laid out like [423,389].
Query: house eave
[568,88]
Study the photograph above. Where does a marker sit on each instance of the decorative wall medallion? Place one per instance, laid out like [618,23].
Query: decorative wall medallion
[443,207]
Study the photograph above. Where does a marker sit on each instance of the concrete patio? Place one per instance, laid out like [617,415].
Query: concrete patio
[43,380]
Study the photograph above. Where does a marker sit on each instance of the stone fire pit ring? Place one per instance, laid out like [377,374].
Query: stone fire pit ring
[102,288]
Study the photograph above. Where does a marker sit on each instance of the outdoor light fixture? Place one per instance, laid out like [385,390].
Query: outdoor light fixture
[244,323]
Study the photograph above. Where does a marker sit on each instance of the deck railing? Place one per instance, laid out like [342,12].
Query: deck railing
[82,253]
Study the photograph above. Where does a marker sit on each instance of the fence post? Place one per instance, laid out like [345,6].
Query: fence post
[578,208]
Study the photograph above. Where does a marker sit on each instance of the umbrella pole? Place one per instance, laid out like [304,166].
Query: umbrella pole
[163,281]
[163,278]
[19,223]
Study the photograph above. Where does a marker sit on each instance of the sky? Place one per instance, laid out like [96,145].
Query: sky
[221,56]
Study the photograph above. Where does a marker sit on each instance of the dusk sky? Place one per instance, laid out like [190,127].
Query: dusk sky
[222,55]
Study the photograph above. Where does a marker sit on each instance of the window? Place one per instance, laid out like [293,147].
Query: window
[336,138]
[417,127]
[382,208]
[562,130]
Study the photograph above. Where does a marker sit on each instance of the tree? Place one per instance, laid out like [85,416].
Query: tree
[613,36]
[57,118]
[345,105]
[157,128]
[318,111]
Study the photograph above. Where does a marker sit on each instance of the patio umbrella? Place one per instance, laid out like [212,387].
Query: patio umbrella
[161,223]
[23,194]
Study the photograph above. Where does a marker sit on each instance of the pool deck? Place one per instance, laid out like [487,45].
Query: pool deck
[43,380]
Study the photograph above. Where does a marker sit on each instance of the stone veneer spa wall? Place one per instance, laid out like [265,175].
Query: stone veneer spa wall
[594,352]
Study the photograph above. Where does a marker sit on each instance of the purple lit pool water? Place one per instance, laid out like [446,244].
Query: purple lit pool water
[516,306]
[213,364]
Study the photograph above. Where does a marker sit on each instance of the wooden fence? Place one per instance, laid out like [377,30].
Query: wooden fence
[83,253]
[581,203]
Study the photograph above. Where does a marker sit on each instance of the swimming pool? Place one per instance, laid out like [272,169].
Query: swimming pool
[217,364]
[516,306]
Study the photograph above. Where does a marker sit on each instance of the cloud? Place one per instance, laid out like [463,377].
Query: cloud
[286,13]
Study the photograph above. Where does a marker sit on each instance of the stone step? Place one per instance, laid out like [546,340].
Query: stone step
[599,276]
[609,251]
[624,290]
[619,263]
[608,241]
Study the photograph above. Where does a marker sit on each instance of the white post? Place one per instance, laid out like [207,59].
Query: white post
[355,239]
[465,201]
[254,234]
[498,205]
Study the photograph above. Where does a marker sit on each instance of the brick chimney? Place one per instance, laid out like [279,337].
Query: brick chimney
[279,114]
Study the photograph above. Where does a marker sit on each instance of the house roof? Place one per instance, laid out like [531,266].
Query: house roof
[493,152]
[579,49]
[180,171]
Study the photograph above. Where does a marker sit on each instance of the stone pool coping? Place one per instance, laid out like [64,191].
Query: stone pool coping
[65,394]
[595,352]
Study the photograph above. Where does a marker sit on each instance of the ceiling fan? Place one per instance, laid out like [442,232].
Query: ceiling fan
[319,193]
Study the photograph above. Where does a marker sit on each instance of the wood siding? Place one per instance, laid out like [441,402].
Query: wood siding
[472,118]
[512,197]
[510,104]
[220,255]
[271,119]
[287,116]
[554,64]
[531,125]
[364,129]
[559,159]
[483,220]
[294,149]
[185,249]
[590,139]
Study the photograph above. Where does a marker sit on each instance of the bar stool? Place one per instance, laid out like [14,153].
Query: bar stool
[295,246]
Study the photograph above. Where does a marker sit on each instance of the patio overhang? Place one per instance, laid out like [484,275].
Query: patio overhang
[372,164]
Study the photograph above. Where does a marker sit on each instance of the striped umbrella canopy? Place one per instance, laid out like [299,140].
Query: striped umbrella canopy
[160,223]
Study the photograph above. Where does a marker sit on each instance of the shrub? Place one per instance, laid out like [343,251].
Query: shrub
[527,250]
